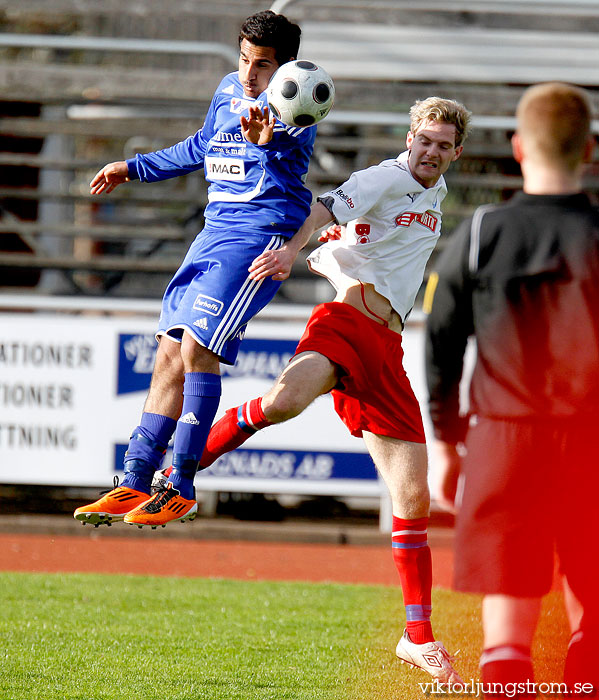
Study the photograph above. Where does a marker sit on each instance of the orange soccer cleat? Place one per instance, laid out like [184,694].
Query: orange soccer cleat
[112,507]
[165,506]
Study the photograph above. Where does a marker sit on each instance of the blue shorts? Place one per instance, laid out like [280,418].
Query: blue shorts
[211,296]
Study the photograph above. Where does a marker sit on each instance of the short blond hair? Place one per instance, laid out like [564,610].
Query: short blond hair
[554,123]
[438,109]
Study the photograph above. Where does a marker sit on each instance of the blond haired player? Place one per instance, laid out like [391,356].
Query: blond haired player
[523,279]
[352,346]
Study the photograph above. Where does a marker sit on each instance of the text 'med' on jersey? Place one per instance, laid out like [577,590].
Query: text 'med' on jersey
[257,187]
[393,224]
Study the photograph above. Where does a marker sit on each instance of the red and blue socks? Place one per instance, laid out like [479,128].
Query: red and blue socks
[412,557]
[201,396]
[233,429]
[146,449]
[507,668]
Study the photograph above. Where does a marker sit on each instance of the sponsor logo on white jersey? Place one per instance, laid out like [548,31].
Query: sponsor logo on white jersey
[224,169]
[189,418]
[201,323]
[208,305]
[345,197]
[425,218]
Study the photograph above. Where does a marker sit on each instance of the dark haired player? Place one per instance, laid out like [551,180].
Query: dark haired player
[256,169]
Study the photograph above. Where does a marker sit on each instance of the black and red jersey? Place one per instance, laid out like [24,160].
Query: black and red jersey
[522,278]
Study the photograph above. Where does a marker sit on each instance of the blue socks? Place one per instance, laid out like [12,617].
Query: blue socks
[146,449]
[201,396]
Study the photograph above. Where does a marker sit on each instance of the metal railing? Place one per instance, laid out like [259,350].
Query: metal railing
[109,44]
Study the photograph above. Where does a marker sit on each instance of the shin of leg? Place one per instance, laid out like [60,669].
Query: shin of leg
[509,621]
[509,624]
[201,397]
[412,557]
[403,467]
[307,376]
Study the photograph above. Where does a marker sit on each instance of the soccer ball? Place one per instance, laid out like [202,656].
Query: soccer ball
[300,93]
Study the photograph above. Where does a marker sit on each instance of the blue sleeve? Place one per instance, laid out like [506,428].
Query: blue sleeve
[284,141]
[184,157]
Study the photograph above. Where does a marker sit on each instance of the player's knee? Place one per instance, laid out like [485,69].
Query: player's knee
[169,363]
[413,499]
[197,358]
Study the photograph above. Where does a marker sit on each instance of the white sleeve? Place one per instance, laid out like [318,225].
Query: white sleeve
[358,195]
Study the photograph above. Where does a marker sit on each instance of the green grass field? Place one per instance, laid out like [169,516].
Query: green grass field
[99,637]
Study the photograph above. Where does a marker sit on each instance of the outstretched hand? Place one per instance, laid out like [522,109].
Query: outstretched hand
[258,129]
[273,263]
[109,177]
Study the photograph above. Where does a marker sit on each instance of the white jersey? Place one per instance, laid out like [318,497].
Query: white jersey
[393,224]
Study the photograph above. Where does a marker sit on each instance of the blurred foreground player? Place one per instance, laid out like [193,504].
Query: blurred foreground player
[256,201]
[352,346]
[523,279]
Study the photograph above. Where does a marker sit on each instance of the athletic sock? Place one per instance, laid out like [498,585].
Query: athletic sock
[201,396]
[146,449]
[233,429]
[507,671]
[412,557]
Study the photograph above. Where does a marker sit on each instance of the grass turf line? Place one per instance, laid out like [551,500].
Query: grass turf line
[98,637]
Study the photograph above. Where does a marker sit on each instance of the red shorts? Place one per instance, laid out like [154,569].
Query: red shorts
[374,392]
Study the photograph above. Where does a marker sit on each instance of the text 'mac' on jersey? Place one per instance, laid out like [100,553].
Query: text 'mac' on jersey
[258,188]
[393,224]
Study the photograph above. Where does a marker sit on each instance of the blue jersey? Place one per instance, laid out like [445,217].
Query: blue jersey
[257,188]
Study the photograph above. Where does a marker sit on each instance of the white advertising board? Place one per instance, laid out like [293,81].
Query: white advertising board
[72,389]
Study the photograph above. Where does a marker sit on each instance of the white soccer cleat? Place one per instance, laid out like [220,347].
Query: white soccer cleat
[431,657]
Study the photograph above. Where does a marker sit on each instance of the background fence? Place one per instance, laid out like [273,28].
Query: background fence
[84,83]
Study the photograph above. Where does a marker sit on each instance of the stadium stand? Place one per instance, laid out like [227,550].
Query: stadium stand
[100,81]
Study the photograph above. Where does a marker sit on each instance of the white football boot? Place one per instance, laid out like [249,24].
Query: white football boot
[431,657]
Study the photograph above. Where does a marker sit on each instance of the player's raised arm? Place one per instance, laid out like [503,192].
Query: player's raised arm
[277,263]
[109,177]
